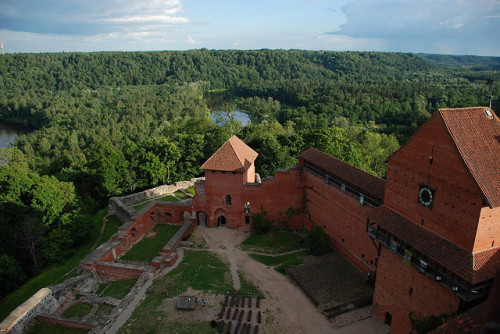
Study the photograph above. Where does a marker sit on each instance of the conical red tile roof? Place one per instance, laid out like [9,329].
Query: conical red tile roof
[233,155]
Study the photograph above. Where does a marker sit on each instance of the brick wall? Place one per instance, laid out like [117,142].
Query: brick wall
[342,217]
[458,200]
[275,195]
[116,272]
[401,288]
[488,230]
[70,323]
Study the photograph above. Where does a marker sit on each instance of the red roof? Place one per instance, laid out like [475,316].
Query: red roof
[472,267]
[353,177]
[476,133]
[468,322]
[233,155]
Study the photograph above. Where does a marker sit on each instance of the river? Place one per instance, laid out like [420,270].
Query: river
[8,134]
[239,116]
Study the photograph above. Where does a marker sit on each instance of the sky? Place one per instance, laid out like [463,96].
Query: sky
[462,27]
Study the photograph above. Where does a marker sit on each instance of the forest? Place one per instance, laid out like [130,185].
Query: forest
[110,123]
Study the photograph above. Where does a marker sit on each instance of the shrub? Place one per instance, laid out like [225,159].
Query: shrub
[260,223]
[317,241]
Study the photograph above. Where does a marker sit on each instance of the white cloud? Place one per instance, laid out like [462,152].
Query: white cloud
[462,26]
[191,40]
[148,19]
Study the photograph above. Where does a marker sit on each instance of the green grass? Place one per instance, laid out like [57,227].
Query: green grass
[102,310]
[273,242]
[190,190]
[146,249]
[179,194]
[149,318]
[53,274]
[281,262]
[43,328]
[77,311]
[247,289]
[141,205]
[201,270]
[117,289]
[112,225]
[168,198]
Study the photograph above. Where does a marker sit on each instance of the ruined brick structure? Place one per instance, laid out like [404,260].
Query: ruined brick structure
[433,225]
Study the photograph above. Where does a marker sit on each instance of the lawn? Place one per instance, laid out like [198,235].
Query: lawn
[201,270]
[77,311]
[273,242]
[53,274]
[168,198]
[191,190]
[280,262]
[112,225]
[180,195]
[117,289]
[146,249]
[148,318]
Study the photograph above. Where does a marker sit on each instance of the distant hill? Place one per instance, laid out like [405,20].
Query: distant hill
[471,62]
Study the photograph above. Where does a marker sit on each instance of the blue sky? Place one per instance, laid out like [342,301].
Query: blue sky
[429,26]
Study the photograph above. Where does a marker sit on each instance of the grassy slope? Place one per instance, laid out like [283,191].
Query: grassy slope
[146,249]
[274,242]
[53,274]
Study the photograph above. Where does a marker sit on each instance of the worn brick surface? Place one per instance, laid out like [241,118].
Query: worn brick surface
[392,293]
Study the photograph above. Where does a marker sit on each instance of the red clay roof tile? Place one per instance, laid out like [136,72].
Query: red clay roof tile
[468,322]
[233,155]
[477,137]
[472,267]
[355,178]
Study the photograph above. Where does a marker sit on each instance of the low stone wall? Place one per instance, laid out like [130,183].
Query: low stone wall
[41,302]
[121,205]
[45,301]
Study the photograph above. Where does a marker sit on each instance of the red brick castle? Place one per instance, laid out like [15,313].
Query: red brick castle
[431,231]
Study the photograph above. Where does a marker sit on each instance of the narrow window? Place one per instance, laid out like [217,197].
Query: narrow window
[410,292]
[247,220]
[228,199]
[388,319]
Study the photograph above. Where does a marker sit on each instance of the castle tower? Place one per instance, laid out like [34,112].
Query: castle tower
[439,228]
[219,200]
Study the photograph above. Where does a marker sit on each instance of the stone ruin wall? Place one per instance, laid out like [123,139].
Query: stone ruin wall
[45,301]
[120,206]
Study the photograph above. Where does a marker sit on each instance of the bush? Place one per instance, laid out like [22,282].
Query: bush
[260,223]
[317,241]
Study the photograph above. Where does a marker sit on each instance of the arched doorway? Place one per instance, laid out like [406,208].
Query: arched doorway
[221,221]
[202,219]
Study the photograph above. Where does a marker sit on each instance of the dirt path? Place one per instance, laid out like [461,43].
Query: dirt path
[290,310]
